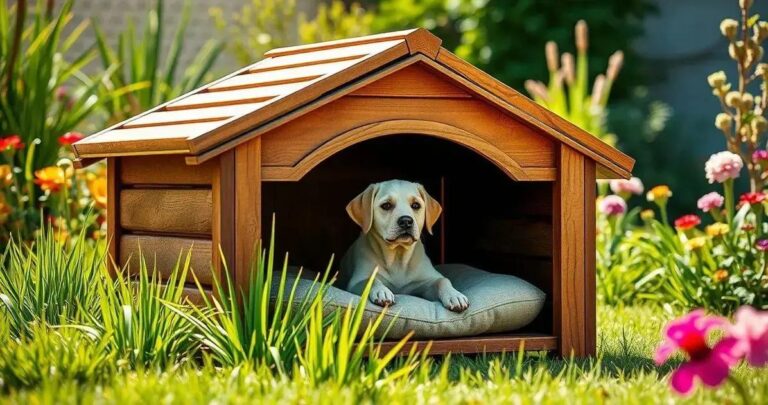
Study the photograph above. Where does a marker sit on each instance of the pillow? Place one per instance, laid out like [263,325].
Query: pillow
[497,303]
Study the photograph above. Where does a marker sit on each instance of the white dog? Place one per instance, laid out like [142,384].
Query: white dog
[392,215]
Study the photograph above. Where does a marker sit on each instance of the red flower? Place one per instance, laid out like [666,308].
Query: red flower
[752,198]
[687,222]
[11,142]
[70,137]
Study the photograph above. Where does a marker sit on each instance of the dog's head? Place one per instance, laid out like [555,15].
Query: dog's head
[396,210]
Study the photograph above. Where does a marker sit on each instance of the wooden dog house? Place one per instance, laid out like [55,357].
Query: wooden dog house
[301,132]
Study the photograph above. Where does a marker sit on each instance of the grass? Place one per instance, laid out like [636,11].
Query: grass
[624,373]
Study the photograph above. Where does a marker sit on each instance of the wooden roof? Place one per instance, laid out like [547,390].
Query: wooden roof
[224,113]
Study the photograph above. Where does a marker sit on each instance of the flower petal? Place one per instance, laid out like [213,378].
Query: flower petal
[682,379]
[712,371]
[664,351]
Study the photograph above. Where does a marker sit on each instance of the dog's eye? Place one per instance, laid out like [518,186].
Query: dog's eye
[386,206]
[415,205]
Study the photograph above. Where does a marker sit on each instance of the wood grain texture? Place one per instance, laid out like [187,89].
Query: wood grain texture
[248,220]
[342,43]
[413,81]
[569,259]
[483,344]
[590,240]
[167,210]
[224,215]
[193,115]
[282,76]
[423,42]
[163,252]
[164,170]
[288,144]
[113,213]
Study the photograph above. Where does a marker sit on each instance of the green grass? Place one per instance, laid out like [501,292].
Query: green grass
[624,373]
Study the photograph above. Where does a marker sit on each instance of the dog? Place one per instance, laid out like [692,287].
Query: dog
[392,215]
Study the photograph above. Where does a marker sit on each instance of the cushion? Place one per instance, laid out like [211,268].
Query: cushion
[497,303]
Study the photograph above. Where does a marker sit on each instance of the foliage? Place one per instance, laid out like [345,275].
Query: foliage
[498,35]
[261,25]
[138,77]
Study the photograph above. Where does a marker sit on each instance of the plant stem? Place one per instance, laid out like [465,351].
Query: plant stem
[728,191]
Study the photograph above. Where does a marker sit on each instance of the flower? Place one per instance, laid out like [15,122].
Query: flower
[720,275]
[70,137]
[750,330]
[97,186]
[659,194]
[5,209]
[627,187]
[728,28]
[6,175]
[723,122]
[762,245]
[717,79]
[723,166]
[647,215]
[751,198]
[687,222]
[688,334]
[710,201]
[696,243]
[11,142]
[50,178]
[760,155]
[613,205]
[717,229]
[747,227]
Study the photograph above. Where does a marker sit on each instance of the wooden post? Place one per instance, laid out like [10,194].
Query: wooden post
[223,190]
[574,255]
[113,213]
[247,207]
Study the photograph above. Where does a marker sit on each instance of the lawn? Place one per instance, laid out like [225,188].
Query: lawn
[624,373]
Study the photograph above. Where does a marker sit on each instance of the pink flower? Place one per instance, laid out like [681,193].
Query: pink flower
[710,201]
[750,331]
[613,205]
[723,166]
[627,187]
[760,155]
[762,245]
[688,334]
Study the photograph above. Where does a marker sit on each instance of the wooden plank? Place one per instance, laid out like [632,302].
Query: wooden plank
[482,344]
[224,215]
[113,213]
[167,210]
[413,81]
[288,62]
[164,170]
[609,157]
[194,115]
[162,253]
[289,143]
[342,43]
[234,97]
[590,239]
[569,263]
[248,220]
[282,76]
[169,138]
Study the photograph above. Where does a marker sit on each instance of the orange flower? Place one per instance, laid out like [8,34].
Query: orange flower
[51,178]
[6,175]
[720,275]
[97,186]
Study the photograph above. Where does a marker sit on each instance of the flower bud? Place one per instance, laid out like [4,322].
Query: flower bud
[614,65]
[762,70]
[647,215]
[745,4]
[747,101]
[759,124]
[723,122]
[568,67]
[582,41]
[598,88]
[717,79]
[729,27]
[550,50]
[733,99]
[537,89]
[760,31]
[736,50]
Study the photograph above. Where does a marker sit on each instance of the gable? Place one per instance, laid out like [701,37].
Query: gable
[294,81]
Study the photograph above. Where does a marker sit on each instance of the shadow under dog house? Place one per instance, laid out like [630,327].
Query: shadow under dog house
[304,130]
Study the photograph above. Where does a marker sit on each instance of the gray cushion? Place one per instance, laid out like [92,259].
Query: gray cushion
[497,303]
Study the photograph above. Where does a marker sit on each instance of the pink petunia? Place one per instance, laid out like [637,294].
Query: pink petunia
[627,187]
[710,365]
[613,205]
[723,166]
[710,201]
[750,331]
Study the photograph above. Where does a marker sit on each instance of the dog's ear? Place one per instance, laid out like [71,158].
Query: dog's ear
[432,208]
[360,209]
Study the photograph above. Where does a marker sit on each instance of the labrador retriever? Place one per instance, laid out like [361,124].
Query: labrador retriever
[392,215]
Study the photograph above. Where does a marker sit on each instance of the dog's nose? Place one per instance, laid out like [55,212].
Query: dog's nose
[405,222]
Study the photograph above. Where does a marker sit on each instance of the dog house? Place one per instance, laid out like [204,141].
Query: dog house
[303,131]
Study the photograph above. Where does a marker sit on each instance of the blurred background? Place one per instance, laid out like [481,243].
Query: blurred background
[661,108]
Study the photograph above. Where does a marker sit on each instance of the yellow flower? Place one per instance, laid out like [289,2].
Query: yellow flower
[720,275]
[717,229]
[51,178]
[659,194]
[696,243]
[6,175]
[97,186]
[647,215]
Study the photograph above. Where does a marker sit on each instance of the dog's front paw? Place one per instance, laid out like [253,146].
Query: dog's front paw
[455,301]
[382,296]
